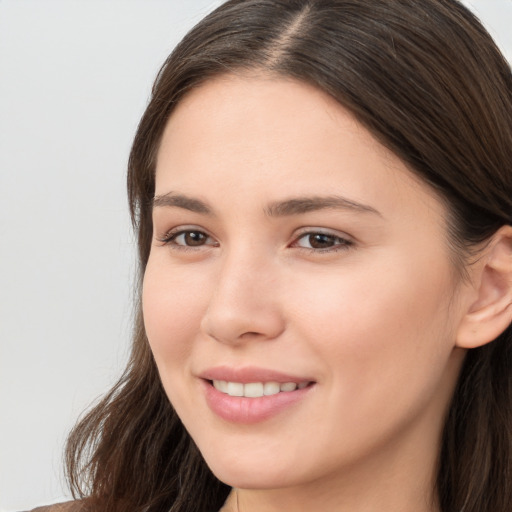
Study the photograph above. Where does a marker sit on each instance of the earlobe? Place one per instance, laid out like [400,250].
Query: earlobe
[491,313]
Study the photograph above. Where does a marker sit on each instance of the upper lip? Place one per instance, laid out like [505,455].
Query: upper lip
[247,374]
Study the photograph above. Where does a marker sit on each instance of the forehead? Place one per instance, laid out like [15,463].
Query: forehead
[256,101]
[262,129]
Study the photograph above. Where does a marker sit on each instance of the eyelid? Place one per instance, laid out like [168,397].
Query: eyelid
[171,234]
[347,241]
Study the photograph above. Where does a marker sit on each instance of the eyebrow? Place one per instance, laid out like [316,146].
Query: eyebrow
[288,207]
[182,201]
[300,205]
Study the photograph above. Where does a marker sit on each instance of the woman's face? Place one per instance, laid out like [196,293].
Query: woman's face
[297,261]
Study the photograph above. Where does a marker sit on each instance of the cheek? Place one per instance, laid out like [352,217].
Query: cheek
[385,328]
[384,343]
[173,304]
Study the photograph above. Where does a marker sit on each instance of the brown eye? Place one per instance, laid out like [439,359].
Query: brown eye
[322,242]
[194,238]
[189,238]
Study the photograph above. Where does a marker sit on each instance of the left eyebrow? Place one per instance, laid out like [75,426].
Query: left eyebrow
[301,205]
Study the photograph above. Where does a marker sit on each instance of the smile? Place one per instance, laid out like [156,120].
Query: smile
[256,389]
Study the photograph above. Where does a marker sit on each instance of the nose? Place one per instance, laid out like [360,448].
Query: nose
[243,305]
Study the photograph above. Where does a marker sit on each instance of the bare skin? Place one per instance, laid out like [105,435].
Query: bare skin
[361,298]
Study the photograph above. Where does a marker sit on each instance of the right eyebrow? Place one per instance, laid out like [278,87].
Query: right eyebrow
[181,201]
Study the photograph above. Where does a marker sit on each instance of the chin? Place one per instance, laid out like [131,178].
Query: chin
[247,473]
[252,478]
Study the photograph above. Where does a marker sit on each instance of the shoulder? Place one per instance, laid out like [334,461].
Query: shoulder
[68,506]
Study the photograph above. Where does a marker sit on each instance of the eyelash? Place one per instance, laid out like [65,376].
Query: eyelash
[342,244]
[171,236]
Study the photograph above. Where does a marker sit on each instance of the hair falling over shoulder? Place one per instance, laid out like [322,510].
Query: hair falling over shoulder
[430,84]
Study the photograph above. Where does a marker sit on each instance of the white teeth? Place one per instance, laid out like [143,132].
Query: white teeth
[271,388]
[288,386]
[256,389]
[253,390]
[235,389]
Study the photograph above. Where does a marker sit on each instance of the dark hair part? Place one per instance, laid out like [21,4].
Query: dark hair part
[429,83]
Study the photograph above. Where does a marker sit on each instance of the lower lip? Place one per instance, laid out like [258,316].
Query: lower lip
[245,410]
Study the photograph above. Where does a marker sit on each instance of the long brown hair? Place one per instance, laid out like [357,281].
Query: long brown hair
[428,81]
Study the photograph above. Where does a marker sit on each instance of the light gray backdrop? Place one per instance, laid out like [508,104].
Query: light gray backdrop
[75,76]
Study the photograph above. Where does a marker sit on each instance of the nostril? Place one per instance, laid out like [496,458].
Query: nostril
[250,334]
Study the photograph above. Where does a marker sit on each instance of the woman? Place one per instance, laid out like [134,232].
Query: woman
[322,194]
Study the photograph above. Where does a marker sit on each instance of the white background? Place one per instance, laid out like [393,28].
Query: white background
[75,76]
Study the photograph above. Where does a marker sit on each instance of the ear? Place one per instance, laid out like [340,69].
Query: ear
[490,313]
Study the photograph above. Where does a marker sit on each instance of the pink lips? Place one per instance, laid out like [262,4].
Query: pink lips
[250,410]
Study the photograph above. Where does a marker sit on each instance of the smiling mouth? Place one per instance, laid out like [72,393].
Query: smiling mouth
[257,389]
